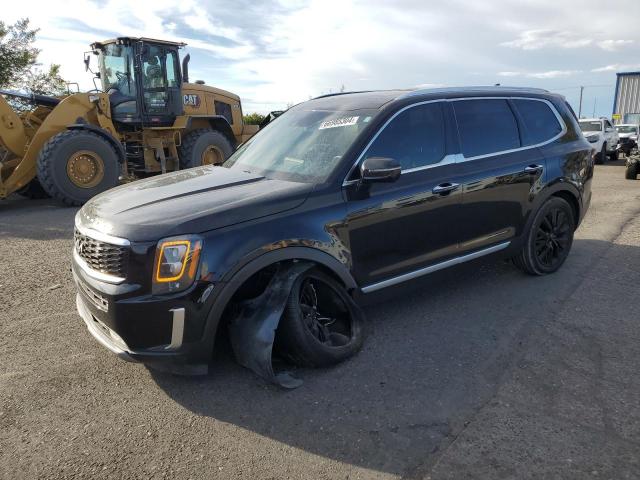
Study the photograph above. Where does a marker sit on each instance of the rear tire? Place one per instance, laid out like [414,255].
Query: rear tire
[204,147]
[75,165]
[323,335]
[548,241]
[631,172]
[33,190]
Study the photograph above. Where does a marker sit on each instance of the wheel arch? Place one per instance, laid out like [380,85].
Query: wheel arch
[216,122]
[239,276]
[104,134]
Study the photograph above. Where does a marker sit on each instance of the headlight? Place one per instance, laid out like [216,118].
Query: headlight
[176,263]
[592,138]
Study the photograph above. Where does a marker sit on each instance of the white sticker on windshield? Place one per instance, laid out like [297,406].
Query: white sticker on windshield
[339,122]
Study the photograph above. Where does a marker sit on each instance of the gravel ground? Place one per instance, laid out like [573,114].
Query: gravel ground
[475,372]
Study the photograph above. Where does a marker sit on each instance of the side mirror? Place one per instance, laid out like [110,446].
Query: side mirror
[380,169]
[87,60]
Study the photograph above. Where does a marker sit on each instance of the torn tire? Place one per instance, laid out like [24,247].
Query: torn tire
[321,324]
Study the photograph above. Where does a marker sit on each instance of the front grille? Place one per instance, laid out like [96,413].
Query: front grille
[101,256]
[625,140]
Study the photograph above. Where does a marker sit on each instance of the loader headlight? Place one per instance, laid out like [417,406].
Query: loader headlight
[176,263]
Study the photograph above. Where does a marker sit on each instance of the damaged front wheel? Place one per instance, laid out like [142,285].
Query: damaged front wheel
[321,324]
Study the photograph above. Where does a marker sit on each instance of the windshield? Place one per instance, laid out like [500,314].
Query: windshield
[626,128]
[116,69]
[301,145]
[591,126]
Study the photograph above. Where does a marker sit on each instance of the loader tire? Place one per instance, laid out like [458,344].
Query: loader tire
[204,147]
[33,190]
[632,170]
[75,165]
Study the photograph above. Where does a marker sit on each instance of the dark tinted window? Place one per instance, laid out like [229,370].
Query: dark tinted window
[224,109]
[415,138]
[540,122]
[486,126]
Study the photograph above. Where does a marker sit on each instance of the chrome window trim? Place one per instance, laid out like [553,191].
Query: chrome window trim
[104,277]
[459,157]
[434,268]
[102,237]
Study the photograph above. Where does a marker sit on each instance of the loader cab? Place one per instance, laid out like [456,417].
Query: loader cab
[143,79]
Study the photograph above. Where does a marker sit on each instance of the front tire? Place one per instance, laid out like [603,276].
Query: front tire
[75,165]
[321,324]
[631,172]
[600,157]
[204,147]
[549,239]
[613,156]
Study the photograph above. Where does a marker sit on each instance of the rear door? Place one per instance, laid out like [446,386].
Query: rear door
[502,167]
[397,228]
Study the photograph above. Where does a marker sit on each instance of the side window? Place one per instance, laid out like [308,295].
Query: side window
[171,69]
[486,126]
[540,122]
[415,138]
[224,109]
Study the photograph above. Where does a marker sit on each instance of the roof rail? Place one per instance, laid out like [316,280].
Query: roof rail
[421,91]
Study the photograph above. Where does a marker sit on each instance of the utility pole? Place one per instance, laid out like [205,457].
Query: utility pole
[580,108]
[595,102]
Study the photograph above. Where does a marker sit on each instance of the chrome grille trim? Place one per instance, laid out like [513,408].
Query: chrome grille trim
[95,298]
[100,259]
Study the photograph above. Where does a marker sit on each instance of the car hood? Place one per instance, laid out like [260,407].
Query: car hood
[189,201]
[628,135]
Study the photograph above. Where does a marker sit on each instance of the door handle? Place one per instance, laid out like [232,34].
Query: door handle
[445,188]
[533,169]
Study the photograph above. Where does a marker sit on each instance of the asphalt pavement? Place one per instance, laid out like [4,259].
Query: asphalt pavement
[475,372]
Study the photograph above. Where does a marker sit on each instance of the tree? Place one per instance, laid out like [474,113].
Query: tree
[253,119]
[19,62]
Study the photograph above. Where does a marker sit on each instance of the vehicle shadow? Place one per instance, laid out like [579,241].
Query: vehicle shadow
[435,354]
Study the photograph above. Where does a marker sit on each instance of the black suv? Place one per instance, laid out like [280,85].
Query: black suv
[339,197]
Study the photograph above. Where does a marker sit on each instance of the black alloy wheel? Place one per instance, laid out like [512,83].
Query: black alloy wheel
[549,239]
[553,238]
[331,328]
[321,324]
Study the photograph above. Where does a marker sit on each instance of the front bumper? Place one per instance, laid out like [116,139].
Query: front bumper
[164,333]
[103,334]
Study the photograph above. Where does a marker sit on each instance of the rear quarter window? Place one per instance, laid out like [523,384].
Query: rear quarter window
[486,126]
[541,124]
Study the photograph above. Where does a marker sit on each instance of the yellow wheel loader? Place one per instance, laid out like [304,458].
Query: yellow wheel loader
[146,119]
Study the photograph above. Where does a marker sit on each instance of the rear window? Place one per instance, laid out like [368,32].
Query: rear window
[224,109]
[541,124]
[595,126]
[486,126]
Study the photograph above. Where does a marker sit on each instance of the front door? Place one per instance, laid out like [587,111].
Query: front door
[161,84]
[398,228]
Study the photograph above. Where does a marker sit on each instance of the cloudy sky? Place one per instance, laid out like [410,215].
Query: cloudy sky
[274,53]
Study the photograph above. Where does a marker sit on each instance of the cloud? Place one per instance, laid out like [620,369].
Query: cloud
[612,45]
[539,39]
[541,75]
[618,67]
[276,52]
